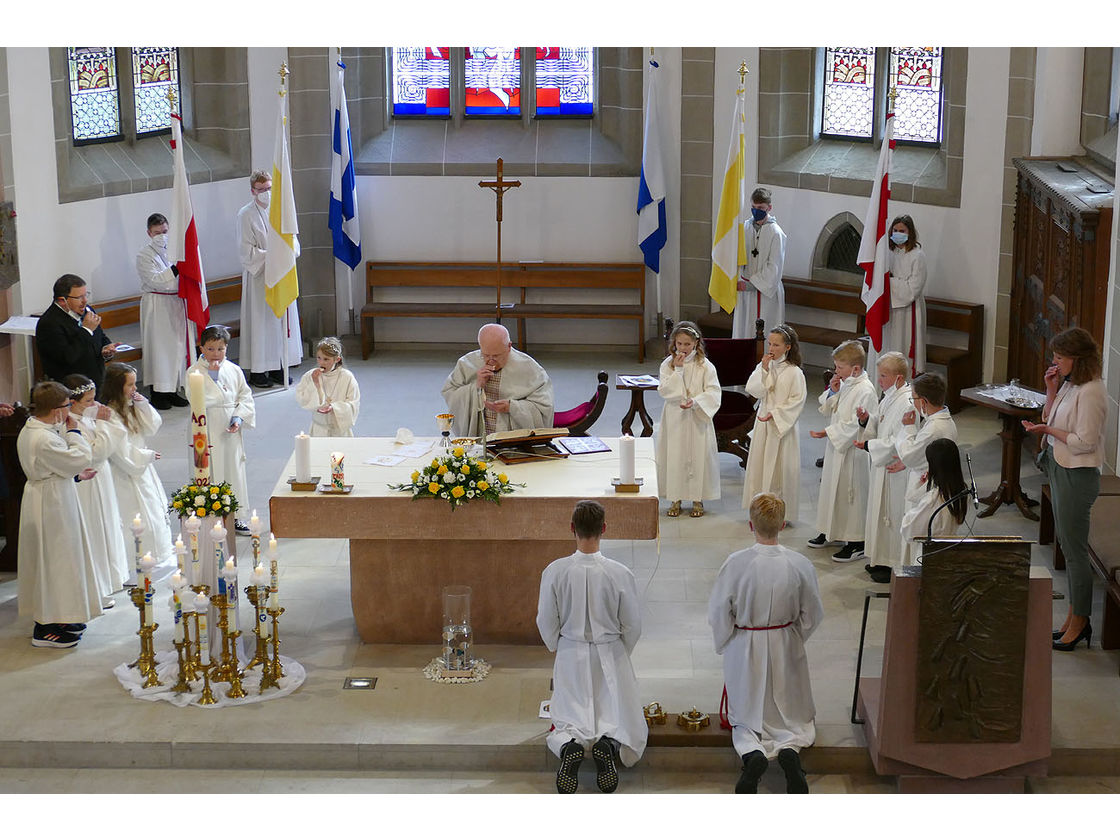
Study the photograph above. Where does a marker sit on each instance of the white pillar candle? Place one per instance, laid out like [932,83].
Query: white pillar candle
[229,578]
[260,582]
[177,611]
[137,526]
[274,575]
[147,563]
[180,550]
[255,525]
[200,435]
[303,457]
[202,607]
[626,459]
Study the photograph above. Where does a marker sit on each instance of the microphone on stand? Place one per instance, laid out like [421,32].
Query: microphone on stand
[972,481]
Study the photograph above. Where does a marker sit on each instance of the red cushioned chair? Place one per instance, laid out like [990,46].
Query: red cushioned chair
[734,359]
[578,420]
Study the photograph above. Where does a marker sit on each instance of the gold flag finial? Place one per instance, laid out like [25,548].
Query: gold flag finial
[283,74]
[743,71]
[171,97]
[893,95]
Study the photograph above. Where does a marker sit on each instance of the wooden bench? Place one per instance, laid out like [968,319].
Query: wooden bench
[1104,555]
[522,281]
[964,366]
[120,318]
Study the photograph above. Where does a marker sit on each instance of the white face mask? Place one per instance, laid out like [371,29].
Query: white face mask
[264,198]
[160,241]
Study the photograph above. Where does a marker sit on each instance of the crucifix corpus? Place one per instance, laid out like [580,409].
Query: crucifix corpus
[499,186]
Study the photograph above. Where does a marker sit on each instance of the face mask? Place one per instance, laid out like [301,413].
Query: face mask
[160,241]
[889,390]
[264,198]
[758,215]
[898,237]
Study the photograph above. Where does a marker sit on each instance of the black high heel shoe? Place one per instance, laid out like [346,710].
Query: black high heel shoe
[1058,634]
[1086,634]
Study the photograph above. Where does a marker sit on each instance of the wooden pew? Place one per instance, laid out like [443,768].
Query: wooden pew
[523,282]
[964,366]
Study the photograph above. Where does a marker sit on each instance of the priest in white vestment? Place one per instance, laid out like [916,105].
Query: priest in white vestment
[168,337]
[842,505]
[497,386]
[590,615]
[774,458]
[57,580]
[230,408]
[886,501]
[764,605]
[761,291]
[263,335]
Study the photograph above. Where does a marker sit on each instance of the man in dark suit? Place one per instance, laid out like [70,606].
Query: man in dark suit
[69,335]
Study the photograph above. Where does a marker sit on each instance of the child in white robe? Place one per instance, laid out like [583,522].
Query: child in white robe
[589,614]
[229,409]
[57,581]
[330,392]
[886,500]
[774,457]
[928,392]
[764,605]
[139,489]
[842,505]
[905,330]
[685,449]
[942,481]
[97,496]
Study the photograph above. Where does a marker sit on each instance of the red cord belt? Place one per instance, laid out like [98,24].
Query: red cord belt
[772,627]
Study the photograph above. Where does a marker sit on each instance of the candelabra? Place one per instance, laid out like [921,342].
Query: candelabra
[146,662]
[202,636]
[257,595]
[277,669]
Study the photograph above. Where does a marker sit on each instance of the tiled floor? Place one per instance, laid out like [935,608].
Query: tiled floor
[64,709]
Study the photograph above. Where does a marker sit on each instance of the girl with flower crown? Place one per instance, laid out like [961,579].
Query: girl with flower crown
[330,392]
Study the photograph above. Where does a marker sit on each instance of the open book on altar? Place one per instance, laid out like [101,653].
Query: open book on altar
[518,445]
[525,436]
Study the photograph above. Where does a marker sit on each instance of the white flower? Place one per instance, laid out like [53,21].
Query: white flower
[443,495]
[470,494]
[461,477]
[199,501]
[225,500]
[472,483]
[448,478]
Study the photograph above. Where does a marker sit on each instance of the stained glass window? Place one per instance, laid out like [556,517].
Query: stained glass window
[915,73]
[849,91]
[493,81]
[421,81]
[565,81]
[155,70]
[94,96]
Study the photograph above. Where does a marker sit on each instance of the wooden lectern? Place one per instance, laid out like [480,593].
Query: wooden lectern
[964,700]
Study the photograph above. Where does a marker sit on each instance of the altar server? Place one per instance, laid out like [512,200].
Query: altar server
[687,458]
[97,495]
[761,291]
[139,489]
[589,614]
[167,334]
[842,505]
[330,392]
[764,605]
[774,458]
[887,499]
[57,581]
[497,388]
[943,480]
[906,329]
[229,409]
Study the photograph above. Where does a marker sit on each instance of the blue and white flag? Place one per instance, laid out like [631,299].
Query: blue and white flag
[652,229]
[343,212]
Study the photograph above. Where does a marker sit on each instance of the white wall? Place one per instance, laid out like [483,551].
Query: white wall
[1059,75]
[961,244]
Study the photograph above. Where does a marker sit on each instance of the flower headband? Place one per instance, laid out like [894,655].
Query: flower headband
[76,394]
[781,328]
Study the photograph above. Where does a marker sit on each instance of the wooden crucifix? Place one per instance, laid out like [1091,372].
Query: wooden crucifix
[499,186]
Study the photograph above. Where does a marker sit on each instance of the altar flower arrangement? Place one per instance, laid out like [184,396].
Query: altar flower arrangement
[458,479]
[203,500]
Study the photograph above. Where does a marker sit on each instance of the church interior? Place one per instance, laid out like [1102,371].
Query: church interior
[1016,127]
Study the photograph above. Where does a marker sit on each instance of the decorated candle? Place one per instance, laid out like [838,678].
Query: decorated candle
[255,525]
[180,550]
[229,581]
[147,563]
[260,582]
[191,526]
[626,459]
[337,479]
[202,607]
[274,575]
[177,611]
[218,535]
[200,441]
[303,457]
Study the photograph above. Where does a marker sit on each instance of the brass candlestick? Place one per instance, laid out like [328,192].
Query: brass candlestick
[235,690]
[207,698]
[256,595]
[183,684]
[221,670]
[194,653]
[187,668]
[277,669]
[146,662]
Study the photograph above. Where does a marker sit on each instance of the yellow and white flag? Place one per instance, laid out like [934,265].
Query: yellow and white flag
[729,248]
[283,231]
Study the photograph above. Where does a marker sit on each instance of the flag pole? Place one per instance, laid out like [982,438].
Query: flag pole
[190,345]
[349,270]
[287,336]
[657,275]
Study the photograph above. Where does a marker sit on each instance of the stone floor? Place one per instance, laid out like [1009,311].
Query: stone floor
[67,726]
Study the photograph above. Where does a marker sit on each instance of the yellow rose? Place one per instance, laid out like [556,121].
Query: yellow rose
[216,506]
[482,465]
[442,469]
[433,488]
[177,505]
[201,512]
[457,452]
[482,485]
[503,478]
[193,488]
[435,463]
[466,469]
[416,475]
[457,491]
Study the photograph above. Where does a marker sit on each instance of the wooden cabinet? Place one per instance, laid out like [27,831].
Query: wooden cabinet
[1063,227]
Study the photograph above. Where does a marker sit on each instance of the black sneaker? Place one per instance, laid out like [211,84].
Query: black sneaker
[567,777]
[240,527]
[819,541]
[177,401]
[277,376]
[260,380]
[790,762]
[879,574]
[754,765]
[849,552]
[603,753]
[76,629]
[53,636]
[160,401]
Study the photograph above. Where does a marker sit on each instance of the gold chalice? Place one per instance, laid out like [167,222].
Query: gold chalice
[444,421]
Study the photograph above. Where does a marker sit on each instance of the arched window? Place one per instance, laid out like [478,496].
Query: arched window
[108,105]
[488,82]
[856,93]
